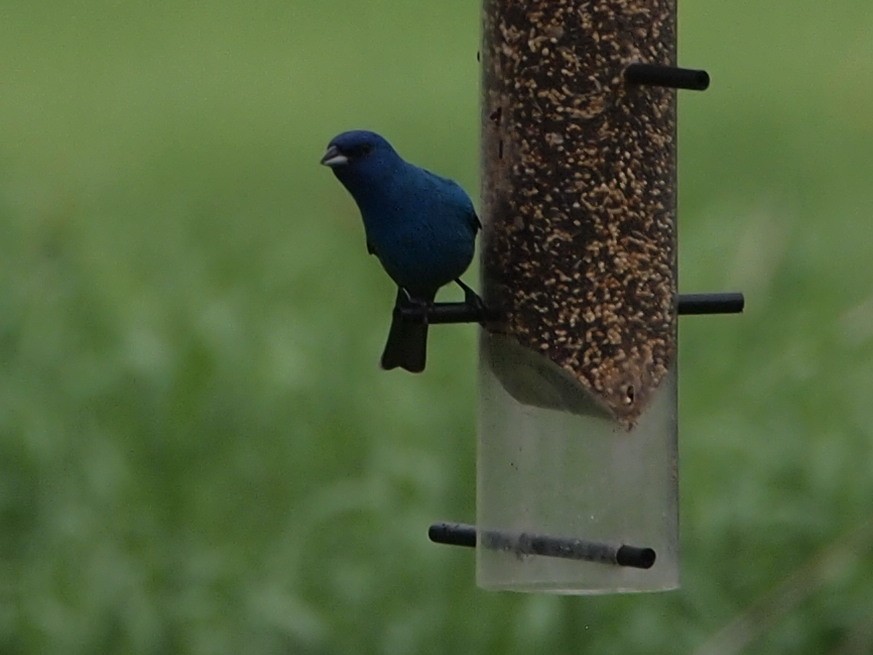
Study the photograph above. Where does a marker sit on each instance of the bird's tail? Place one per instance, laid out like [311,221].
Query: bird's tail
[407,341]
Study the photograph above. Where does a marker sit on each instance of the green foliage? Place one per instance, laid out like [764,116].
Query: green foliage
[197,451]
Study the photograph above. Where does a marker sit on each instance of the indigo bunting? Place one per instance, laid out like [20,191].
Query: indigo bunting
[422,227]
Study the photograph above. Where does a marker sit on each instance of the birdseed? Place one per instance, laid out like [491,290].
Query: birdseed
[579,192]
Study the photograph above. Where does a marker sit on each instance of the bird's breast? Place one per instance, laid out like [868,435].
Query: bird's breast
[420,253]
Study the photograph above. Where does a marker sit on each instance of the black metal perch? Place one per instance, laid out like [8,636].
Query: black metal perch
[667,76]
[689,304]
[445,312]
[461,534]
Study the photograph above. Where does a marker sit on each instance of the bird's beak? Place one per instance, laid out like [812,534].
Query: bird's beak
[333,157]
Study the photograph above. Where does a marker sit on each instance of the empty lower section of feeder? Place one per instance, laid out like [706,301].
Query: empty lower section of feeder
[560,467]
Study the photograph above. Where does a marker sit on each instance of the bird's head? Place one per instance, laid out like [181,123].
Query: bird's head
[359,154]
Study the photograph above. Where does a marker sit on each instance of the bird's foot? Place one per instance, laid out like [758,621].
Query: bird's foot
[405,300]
[472,299]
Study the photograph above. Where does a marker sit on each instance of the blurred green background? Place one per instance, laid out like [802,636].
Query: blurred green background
[198,453]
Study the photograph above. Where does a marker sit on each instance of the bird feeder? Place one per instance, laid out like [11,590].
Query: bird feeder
[577,487]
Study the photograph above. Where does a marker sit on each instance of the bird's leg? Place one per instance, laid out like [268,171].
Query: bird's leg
[471,298]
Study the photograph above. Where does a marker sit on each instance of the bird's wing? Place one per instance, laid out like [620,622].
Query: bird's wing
[458,196]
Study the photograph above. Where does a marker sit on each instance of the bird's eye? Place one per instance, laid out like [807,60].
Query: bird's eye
[365,149]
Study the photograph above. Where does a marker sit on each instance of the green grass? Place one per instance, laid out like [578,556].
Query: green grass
[198,453]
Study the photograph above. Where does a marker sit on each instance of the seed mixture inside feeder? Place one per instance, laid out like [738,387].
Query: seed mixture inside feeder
[579,250]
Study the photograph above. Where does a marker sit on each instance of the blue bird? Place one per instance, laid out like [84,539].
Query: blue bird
[421,226]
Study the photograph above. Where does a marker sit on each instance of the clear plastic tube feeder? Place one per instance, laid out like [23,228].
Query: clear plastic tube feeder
[577,488]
